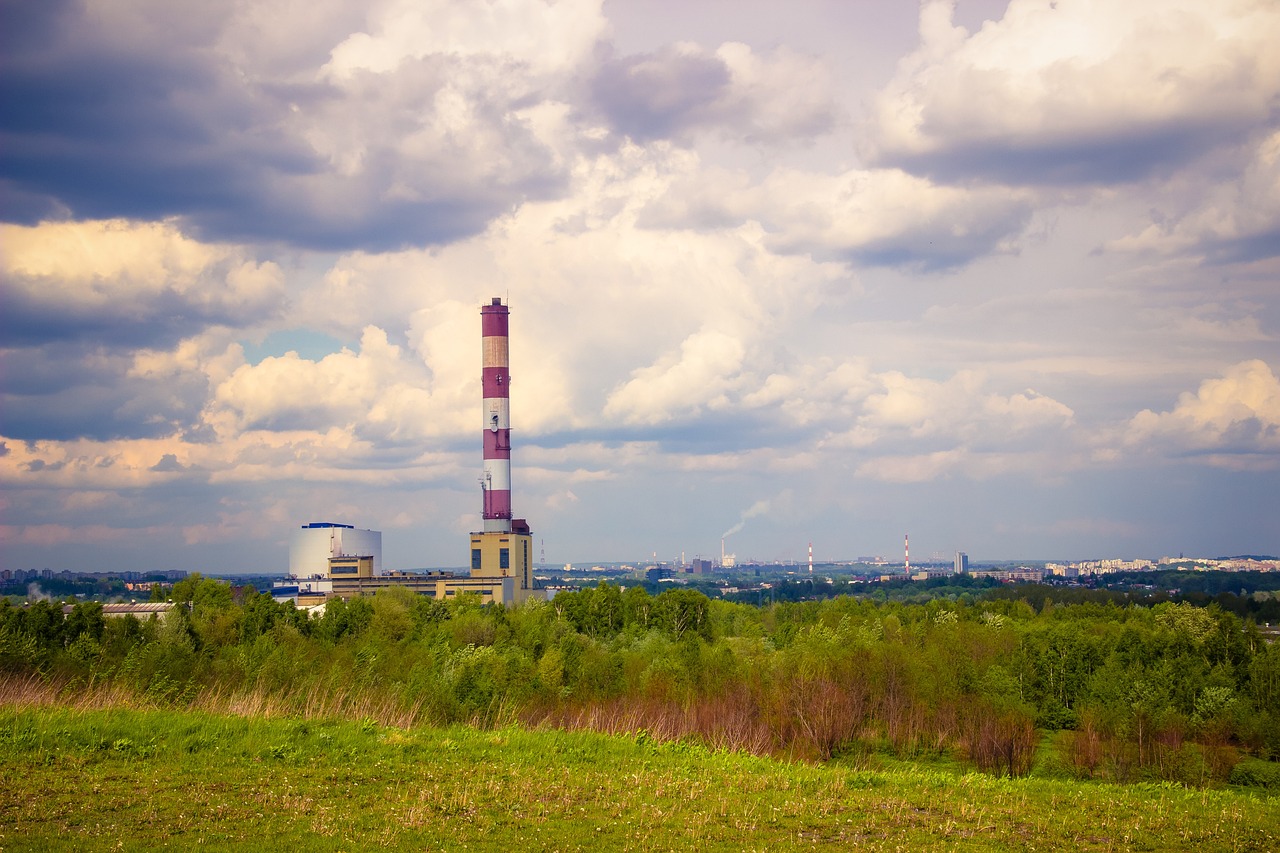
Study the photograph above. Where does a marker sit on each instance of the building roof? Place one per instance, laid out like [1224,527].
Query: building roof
[139,608]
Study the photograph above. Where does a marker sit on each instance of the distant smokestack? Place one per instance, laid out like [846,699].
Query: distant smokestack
[906,552]
[496,482]
[810,558]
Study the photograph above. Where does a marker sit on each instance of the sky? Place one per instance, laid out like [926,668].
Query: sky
[1003,277]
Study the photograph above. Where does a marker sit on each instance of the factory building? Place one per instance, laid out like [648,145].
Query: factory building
[327,559]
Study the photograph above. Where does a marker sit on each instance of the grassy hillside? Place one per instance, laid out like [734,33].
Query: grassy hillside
[150,779]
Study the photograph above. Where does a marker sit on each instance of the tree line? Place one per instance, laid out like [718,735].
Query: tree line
[1115,690]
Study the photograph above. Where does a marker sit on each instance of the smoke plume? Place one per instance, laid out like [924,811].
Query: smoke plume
[757,508]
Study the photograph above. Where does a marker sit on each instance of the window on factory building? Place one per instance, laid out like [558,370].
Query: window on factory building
[504,558]
[475,558]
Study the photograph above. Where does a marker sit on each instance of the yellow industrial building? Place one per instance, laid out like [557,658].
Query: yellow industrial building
[501,572]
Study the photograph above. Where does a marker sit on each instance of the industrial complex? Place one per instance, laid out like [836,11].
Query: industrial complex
[327,559]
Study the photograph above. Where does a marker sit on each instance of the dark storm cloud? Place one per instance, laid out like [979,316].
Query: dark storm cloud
[66,391]
[100,124]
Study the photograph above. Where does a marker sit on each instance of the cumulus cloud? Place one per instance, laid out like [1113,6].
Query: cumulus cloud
[378,392]
[89,306]
[1077,91]
[690,381]
[1232,221]
[123,283]
[547,37]
[889,218]
[920,428]
[684,88]
[876,217]
[1231,421]
[69,390]
[322,137]
[922,407]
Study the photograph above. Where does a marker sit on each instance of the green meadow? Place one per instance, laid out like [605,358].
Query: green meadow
[136,779]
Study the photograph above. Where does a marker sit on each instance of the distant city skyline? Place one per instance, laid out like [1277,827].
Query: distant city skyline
[1005,276]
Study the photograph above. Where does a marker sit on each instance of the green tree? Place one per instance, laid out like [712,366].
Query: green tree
[392,609]
[679,610]
[85,619]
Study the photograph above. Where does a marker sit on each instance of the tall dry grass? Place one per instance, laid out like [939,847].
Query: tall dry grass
[811,718]
[35,690]
[311,702]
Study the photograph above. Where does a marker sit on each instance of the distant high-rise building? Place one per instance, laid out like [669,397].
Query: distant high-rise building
[962,563]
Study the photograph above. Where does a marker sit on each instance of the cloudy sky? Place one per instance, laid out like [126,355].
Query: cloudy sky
[1002,276]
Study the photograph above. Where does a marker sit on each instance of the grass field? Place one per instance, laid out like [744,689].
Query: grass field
[136,779]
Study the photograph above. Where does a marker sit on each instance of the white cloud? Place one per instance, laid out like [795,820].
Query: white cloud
[691,381]
[874,217]
[778,95]
[544,37]
[912,429]
[1079,89]
[127,268]
[1233,421]
[376,392]
[959,406]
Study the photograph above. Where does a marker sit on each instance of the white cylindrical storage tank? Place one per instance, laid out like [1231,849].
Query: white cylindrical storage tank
[313,544]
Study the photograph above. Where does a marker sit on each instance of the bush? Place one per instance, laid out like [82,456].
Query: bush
[1254,773]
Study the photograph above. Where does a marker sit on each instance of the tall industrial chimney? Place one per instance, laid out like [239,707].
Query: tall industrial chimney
[504,548]
[496,482]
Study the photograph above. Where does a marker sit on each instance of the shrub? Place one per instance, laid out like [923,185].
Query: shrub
[1255,773]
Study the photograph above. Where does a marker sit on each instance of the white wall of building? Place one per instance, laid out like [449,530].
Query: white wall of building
[311,547]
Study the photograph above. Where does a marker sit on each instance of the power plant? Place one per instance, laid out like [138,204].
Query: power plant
[328,559]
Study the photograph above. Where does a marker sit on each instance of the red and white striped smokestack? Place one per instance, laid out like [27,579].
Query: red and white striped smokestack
[906,552]
[810,558]
[496,482]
